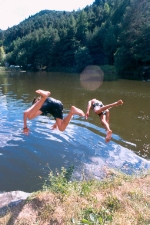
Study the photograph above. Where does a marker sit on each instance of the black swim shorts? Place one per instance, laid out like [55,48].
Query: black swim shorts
[100,105]
[53,107]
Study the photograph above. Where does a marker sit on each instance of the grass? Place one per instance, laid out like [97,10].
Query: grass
[118,199]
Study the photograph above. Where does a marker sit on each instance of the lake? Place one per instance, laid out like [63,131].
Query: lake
[26,160]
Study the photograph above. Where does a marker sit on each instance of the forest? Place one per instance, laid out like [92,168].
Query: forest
[108,32]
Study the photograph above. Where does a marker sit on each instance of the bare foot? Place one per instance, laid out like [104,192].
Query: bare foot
[43,93]
[75,110]
[120,102]
[36,100]
[108,136]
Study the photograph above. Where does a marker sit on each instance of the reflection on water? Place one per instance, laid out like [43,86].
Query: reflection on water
[25,159]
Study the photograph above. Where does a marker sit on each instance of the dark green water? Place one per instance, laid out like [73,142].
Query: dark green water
[25,159]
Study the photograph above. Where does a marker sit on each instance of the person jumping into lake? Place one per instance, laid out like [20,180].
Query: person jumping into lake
[44,105]
[103,112]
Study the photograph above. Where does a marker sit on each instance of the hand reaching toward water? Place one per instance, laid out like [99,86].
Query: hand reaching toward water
[25,130]
[86,115]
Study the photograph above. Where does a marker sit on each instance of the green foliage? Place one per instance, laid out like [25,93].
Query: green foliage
[103,215]
[110,72]
[83,188]
[59,182]
[112,203]
[82,27]
[110,44]
[2,55]
[100,216]
[133,50]
[114,32]
[82,58]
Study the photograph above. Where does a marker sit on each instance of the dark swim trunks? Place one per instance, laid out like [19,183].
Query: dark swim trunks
[100,105]
[53,107]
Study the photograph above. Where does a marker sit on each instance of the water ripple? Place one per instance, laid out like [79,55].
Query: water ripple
[25,158]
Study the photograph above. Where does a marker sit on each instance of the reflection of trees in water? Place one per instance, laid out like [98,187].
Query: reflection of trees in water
[146,73]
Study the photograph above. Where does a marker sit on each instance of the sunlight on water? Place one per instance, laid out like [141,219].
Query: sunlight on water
[25,158]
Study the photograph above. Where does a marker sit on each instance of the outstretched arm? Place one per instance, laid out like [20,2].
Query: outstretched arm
[25,128]
[88,109]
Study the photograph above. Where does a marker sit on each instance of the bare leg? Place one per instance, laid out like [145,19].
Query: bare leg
[35,100]
[98,111]
[104,122]
[107,116]
[34,111]
[62,124]
[106,126]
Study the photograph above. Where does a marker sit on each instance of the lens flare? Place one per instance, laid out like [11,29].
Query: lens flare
[92,77]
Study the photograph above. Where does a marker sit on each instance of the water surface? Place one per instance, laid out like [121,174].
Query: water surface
[25,160]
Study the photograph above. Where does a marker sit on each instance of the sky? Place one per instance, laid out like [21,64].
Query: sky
[12,12]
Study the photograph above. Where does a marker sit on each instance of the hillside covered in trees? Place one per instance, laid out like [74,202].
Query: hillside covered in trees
[108,32]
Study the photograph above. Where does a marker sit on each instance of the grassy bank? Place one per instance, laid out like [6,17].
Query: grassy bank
[118,199]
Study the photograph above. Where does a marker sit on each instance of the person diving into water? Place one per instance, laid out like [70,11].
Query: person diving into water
[44,105]
[103,112]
